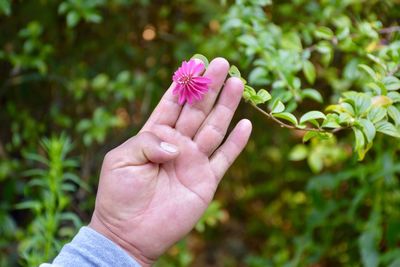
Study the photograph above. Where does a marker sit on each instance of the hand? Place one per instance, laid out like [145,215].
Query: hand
[154,187]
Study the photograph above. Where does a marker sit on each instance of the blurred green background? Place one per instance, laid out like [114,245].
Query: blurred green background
[78,77]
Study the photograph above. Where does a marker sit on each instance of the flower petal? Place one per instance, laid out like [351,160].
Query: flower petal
[198,68]
[181,99]
[190,86]
[201,79]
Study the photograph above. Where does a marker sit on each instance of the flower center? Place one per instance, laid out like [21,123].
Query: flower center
[184,79]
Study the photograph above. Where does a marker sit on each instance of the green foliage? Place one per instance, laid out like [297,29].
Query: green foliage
[353,66]
[325,72]
[86,69]
[52,184]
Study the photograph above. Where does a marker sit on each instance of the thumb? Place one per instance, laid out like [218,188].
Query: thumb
[147,147]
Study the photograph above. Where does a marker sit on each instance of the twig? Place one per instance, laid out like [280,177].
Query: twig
[282,124]
[390,30]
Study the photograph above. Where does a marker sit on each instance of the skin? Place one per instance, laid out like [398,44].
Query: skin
[150,197]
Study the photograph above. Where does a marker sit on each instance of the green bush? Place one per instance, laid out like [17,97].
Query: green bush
[318,184]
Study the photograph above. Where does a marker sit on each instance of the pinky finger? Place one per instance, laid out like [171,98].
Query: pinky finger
[226,154]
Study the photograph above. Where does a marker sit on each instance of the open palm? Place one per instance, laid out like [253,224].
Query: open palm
[155,186]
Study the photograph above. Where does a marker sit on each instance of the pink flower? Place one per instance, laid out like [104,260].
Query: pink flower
[190,86]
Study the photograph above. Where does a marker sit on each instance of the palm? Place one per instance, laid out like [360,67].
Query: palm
[158,203]
[197,180]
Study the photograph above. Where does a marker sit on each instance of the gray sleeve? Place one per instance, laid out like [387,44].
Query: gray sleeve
[89,249]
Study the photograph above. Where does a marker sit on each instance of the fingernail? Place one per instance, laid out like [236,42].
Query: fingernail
[170,148]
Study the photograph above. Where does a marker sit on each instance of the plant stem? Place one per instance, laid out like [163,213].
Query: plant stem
[390,30]
[285,125]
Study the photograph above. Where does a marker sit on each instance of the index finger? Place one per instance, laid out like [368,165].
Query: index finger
[167,110]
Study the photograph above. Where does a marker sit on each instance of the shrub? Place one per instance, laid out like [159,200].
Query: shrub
[318,183]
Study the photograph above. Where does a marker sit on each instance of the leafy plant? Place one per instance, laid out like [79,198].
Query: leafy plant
[53,184]
[323,73]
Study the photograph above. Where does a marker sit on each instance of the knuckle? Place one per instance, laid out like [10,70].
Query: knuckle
[109,156]
[144,136]
[219,133]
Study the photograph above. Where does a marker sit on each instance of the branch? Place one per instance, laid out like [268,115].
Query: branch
[285,125]
[389,30]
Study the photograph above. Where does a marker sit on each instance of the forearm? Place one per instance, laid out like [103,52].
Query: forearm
[89,248]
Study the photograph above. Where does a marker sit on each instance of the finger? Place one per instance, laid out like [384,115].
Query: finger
[213,130]
[167,110]
[192,116]
[223,158]
[141,149]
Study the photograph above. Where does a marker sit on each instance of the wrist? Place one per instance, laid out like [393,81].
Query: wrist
[99,226]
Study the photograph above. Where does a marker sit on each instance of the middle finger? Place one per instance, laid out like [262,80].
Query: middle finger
[192,116]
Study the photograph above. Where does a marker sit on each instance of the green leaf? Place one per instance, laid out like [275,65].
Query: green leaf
[331,121]
[312,115]
[394,113]
[376,114]
[264,95]
[234,71]
[324,47]
[395,96]
[368,129]
[361,101]
[73,19]
[338,108]
[369,71]
[395,263]
[377,61]
[392,83]
[100,81]
[5,7]
[309,71]
[381,101]
[369,254]
[309,135]
[324,33]
[299,152]
[348,108]
[248,40]
[291,41]
[345,118]
[62,8]
[374,86]
[359,143]
[263,2]
[311,94]
[202,58]
[70,216]
[249,93]
[286,116]
[94,18]
[387,128]
[342,33]
[315,162]
[258,76]
[30,204]
[277,107]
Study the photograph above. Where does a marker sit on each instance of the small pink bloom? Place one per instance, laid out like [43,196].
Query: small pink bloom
[190,86]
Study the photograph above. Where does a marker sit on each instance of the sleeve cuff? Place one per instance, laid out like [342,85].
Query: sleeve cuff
[90,248]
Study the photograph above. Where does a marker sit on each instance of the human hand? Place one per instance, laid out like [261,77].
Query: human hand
[154,187]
